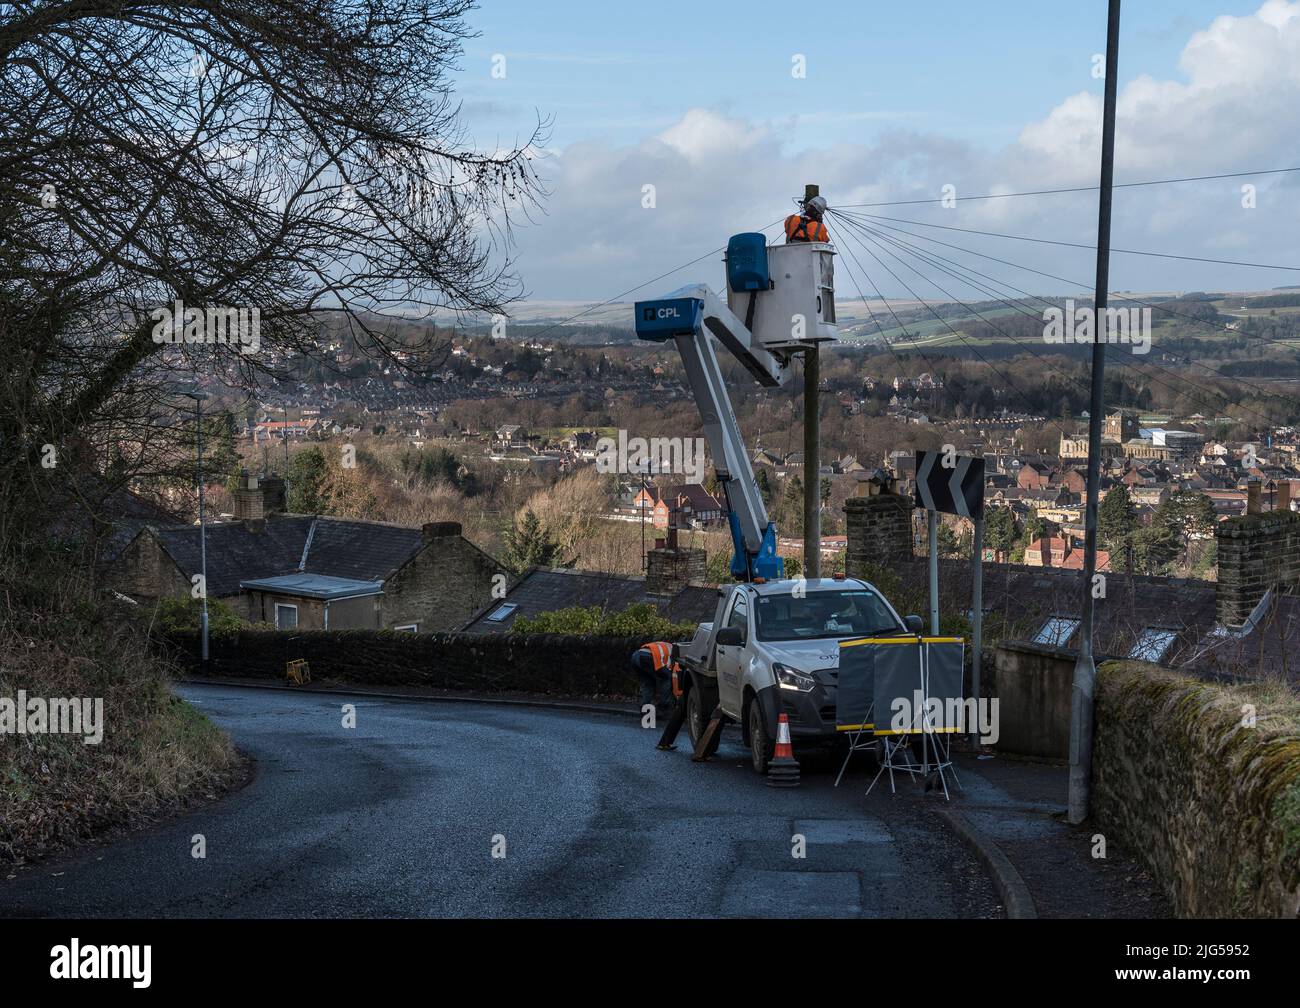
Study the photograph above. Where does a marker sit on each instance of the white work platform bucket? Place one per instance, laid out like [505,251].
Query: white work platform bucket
[799,307]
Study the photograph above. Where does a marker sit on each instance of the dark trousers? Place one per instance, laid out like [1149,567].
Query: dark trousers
[656,684]
[678,718]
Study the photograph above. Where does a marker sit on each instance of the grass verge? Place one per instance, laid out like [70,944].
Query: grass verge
[157,755]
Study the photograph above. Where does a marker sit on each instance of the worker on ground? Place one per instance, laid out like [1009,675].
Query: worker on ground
[652,664]
[806,225]
[681,686]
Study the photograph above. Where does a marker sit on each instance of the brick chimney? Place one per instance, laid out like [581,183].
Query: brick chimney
[432,531]
[1256,552]
[879,527]
[257,498]
[670,569]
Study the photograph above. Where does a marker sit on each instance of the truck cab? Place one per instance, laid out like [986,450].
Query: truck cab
[773,648]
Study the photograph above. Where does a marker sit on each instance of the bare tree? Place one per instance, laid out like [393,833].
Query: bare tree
[300,158]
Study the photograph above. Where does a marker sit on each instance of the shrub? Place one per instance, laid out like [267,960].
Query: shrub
[639,620]
[183,615]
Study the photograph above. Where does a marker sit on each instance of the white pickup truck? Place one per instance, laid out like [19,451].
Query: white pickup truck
[773,647]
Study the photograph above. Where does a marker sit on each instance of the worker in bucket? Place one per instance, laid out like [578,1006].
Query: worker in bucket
[652,664]
[806,225]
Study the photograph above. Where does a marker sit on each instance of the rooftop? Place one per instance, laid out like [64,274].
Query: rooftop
[548,589]
[317,586]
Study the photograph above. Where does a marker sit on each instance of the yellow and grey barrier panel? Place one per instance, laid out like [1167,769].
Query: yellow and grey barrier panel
[925,674]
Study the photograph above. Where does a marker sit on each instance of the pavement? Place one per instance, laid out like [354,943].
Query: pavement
[1018,807]
[401,816]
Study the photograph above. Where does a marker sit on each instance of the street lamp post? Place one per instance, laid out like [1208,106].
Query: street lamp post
[1085,671]
[285,431]
[198,398]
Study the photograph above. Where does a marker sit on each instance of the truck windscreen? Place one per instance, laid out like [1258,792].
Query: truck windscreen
[848,613]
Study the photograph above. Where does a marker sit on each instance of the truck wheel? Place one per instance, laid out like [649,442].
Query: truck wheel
[698,710]
[760,743]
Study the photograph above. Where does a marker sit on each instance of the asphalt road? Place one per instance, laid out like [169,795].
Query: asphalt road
[399,815]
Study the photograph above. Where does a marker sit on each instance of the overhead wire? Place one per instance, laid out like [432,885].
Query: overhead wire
[1014,304]
[1076,189]
[1157,307]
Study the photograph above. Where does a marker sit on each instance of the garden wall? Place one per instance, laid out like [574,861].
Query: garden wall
[1211,804]
[483,663]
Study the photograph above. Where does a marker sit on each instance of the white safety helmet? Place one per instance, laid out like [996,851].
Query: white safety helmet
[817,205]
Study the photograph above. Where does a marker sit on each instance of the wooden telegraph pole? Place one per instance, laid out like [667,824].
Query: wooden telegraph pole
[812,483]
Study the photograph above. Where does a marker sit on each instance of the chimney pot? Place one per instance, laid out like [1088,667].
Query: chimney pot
[1253,491]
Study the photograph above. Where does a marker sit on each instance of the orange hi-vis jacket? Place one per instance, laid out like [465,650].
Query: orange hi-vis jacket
[799,228]
[660,651]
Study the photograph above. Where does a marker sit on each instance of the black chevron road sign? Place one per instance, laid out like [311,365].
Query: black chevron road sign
[951,483]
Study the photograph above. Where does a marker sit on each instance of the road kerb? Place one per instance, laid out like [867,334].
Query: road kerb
[1015,895]
[415,697]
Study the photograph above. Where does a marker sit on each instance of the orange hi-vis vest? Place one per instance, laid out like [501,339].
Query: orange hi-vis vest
[799,228]
[660,651]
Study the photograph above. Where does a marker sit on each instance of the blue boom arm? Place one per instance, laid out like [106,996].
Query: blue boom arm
[688,317]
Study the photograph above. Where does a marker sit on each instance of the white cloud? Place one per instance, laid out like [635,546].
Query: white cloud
[1236,107]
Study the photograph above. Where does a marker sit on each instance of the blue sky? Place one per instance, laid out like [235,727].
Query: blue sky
[614,70]
[898,99]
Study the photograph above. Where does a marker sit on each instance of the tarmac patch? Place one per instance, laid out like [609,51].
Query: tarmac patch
[793,894]
[840,831]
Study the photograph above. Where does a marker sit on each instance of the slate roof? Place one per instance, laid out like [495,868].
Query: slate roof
[357,550]
[1025,597]
[125,513]
[236,553]
[366,551]
[545,590]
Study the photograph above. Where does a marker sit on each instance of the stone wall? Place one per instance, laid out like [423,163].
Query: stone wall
[1034,687]
[146,573]
[482,663]
[1256,552]
[1205,789]
[444,585]
[879,529]
[344,614]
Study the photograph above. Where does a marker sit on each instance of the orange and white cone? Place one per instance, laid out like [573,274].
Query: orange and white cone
[783,769]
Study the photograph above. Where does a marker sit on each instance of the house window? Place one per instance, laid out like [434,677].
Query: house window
[409,627]
[1153,644]
[286,616]
[1057,631]
[502,612]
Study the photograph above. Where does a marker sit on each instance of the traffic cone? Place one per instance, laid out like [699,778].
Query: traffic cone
[783,770]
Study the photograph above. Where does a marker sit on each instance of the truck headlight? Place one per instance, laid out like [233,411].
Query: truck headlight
[792,679]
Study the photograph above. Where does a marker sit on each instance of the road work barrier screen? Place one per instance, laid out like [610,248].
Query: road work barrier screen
[900,685]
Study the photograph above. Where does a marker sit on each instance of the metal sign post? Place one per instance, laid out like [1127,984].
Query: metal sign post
[933,517]
[954,484]
[977,618]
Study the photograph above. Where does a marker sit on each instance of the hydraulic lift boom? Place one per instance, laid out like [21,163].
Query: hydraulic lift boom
[688,316]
